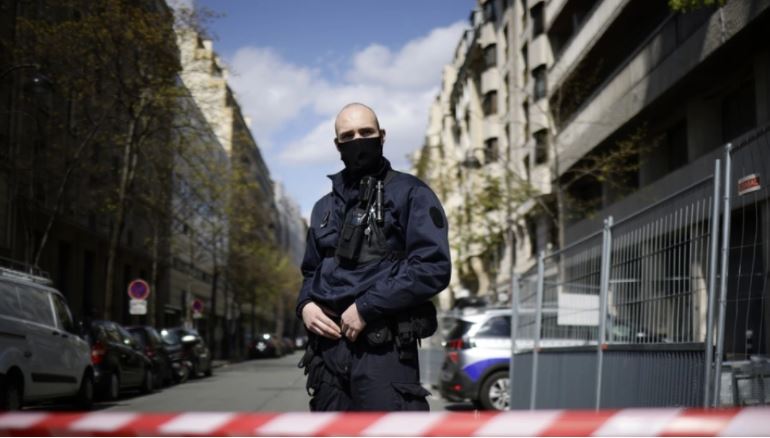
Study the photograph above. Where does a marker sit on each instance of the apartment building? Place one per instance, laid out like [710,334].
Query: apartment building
[539,90]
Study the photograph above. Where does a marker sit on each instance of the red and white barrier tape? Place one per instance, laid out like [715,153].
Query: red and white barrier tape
[624,422]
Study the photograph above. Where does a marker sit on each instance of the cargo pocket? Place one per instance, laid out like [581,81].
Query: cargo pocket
[411,396]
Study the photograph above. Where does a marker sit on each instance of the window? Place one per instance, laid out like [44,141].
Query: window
[508,94]
[507,43]
[126,337]
[541,146]
[498,327]
[111,333]
[9,300]
[525,111]
[525,63]
[489,105]
[525,162]
[541,86]
[63,316]
[491,150]
[538,19]
[676,145]
[489,11]
[739,113]
[490,55]
[35,305]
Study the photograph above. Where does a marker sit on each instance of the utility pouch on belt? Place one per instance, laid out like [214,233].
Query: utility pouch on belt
[424,320]
[379,333]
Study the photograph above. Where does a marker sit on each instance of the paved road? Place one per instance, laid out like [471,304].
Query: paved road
[257,385]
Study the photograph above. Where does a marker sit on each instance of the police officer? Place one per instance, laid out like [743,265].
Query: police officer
[377,251]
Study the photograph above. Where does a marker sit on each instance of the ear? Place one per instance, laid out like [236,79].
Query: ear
[382,136]
[337,144]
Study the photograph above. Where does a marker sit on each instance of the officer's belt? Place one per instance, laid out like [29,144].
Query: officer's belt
[391,255]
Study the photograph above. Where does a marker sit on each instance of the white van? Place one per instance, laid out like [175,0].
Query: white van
[42,358]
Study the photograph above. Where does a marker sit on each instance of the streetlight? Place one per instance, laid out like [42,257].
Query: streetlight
[39,83]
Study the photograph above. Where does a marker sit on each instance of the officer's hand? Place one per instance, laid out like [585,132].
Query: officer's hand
[352,323]
[317,322]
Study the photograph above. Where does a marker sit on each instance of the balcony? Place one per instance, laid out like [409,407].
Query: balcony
[490,80]
[667,58]
[586,37]
[540,51]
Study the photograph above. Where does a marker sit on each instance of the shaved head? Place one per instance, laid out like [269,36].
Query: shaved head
[356,120]
[357,110]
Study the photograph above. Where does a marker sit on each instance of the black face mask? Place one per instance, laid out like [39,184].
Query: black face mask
[362,156]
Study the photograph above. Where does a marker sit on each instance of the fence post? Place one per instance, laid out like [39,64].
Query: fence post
[604,282]
[514,329]
[713,257]
[536,336]
[723,279]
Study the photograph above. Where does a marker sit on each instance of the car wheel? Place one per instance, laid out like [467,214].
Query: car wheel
[147,381]
[11,393]
[494,391]
[113,387]
[85,398]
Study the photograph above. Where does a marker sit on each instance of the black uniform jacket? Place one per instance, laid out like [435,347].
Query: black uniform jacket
[415,223]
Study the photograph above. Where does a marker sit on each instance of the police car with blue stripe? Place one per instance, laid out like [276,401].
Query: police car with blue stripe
[478,354]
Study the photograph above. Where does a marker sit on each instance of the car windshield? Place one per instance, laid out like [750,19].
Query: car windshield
[170,336]
[459,329]
[139,335]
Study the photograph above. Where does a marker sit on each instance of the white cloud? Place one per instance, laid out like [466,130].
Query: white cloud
[271,90]
[416,65]
[398,84]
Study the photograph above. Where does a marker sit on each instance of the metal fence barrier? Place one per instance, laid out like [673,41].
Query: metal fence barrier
[640,282]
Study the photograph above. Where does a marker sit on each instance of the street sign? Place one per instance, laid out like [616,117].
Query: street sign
[139,289]
[197,309]
[137,307]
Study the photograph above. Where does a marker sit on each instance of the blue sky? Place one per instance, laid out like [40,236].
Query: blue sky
[294,63]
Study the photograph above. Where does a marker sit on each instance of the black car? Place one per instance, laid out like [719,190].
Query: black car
[119,362]
[165,357]
[266,345]
[194,349]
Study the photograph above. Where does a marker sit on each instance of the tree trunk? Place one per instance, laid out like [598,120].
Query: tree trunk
[280,315]
[154,276]
[127,173]
[213,345]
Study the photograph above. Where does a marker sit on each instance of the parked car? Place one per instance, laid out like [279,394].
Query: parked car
[194,349]
[477,357]
[41,356]
[288,345]
[266,345]
[300,342]
[166,358]
[119,362]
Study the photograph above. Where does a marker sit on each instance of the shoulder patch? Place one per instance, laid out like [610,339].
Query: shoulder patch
[437,217]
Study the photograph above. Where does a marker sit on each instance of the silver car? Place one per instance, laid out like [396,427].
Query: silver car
[41,355]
